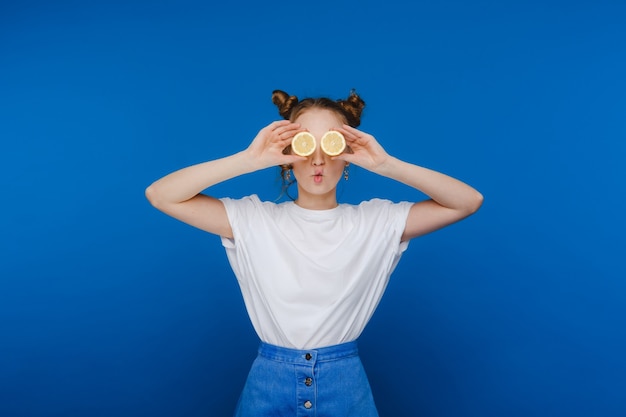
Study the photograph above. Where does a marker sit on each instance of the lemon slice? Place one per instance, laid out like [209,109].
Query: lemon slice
[303,144]
[333,143]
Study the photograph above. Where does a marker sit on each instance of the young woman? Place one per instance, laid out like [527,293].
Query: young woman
[311,271]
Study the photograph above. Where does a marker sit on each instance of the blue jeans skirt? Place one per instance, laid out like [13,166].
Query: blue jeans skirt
[326,382]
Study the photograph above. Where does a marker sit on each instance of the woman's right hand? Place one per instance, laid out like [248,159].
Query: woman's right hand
[179,194]
[266,149]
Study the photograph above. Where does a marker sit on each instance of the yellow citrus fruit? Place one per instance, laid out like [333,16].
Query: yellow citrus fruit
[333,143]
[303,144]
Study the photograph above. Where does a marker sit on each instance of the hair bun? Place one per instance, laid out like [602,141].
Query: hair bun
[284,102]
[353,107]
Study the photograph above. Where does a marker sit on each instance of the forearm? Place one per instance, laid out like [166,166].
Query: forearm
[443,189]
[181,185]
[264,151]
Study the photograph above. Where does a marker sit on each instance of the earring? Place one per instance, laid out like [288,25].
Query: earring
[346,173]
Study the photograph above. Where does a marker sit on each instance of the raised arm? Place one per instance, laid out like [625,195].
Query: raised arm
[450,199]
[179,194]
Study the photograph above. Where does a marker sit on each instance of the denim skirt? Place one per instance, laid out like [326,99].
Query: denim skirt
[326,382]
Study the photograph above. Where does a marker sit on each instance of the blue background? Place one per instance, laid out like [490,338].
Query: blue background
[110,308]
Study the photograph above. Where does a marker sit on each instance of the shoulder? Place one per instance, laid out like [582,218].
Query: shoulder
[252,200]
[383,212]
[375,203]
[382,205]
[249,213]
[249,205]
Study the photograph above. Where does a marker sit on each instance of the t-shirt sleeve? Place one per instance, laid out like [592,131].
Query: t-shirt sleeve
[240,213]
[393,218]
[403,209]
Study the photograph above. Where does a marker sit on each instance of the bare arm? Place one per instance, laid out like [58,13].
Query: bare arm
[179,194]
[450,199]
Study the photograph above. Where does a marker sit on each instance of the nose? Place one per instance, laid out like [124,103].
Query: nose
[318,157]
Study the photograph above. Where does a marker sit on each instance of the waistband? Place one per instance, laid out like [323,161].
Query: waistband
[308,356]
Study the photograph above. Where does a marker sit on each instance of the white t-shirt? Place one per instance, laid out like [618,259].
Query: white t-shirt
[313,278]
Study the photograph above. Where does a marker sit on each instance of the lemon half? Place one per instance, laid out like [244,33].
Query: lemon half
[303,144]
[333,143]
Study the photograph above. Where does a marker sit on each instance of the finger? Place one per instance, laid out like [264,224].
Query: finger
[285,138]
[283,144]
[271,128]
[290,159]
[283,124]
[286,130]
[275,125]
[353,135]
[351,129]
[349,134]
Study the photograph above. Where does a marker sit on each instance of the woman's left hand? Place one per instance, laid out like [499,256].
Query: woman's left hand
[366,151]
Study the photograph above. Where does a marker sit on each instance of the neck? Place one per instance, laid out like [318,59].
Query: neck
[317,202]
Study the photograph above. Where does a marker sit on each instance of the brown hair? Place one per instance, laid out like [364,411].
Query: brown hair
[350,109]
[289,107]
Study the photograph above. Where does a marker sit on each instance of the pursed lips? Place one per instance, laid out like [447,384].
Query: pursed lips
[317,175]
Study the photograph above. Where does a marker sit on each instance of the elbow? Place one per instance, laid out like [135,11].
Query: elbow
[152,195]
[475,202]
